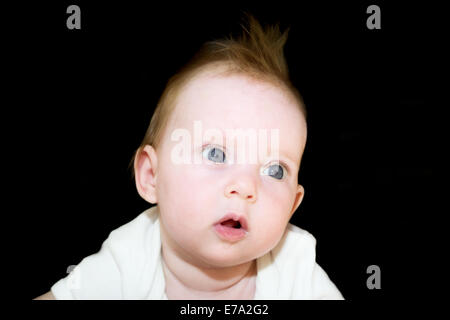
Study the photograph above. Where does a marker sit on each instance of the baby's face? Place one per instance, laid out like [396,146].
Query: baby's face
[194,197]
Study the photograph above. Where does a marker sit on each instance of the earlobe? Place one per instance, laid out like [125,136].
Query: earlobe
[145,168]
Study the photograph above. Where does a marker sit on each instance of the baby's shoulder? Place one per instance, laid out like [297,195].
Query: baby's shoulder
[295,234]
[296,245]
[135,230]
[294,256]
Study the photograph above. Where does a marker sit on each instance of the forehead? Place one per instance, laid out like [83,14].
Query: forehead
[236,101]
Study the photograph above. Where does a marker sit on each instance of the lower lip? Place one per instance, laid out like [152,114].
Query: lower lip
[230,234]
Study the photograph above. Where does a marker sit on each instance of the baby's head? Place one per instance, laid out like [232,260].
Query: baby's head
[197,160]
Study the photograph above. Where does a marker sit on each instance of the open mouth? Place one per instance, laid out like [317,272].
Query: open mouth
[232,227]
[231,224]
[233,220]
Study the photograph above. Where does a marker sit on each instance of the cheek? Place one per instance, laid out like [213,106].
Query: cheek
[274,213]
[279,196]
[182,191]
[176,183]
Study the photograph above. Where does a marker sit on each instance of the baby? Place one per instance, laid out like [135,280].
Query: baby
[220,227]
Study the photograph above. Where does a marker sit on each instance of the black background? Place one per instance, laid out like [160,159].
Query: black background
[370,160]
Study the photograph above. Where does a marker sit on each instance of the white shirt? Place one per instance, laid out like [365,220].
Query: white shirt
[129,266]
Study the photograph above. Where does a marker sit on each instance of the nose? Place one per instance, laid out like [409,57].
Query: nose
[243,186]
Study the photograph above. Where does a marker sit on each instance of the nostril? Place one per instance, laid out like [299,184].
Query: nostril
[244,194]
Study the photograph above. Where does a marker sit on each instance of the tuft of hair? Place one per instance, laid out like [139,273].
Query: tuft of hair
[258,53]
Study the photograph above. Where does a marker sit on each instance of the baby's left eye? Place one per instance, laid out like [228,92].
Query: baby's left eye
[276,171]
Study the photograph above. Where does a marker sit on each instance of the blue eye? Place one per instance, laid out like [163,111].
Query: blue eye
[214,154]
[276,171]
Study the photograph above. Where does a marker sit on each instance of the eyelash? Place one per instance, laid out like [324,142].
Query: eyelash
[280,162]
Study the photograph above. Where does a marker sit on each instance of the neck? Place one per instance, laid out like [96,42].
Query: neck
[188,280]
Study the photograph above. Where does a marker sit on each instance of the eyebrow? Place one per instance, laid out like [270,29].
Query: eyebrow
[284,155]
[287,156]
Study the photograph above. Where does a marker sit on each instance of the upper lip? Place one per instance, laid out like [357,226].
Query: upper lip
[235,217]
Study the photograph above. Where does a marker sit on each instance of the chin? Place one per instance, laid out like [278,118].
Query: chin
[225,257]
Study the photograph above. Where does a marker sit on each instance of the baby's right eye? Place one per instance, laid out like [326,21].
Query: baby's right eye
[214,154]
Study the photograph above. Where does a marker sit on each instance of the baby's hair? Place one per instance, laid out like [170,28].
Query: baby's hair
[256,53]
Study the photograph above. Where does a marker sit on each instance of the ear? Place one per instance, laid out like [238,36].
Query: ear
[145,165]
[298,198]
